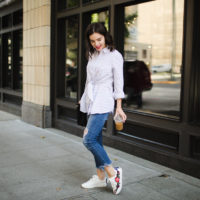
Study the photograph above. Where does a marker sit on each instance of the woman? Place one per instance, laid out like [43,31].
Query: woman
[104,69]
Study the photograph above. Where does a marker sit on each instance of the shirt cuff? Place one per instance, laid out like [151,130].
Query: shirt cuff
[119,95]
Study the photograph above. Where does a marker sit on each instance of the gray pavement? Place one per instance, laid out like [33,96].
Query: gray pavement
[49,164]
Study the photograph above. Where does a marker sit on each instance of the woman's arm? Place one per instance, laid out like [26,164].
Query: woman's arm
[118,83]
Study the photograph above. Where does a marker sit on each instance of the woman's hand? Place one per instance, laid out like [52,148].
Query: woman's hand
[121,113]
[119,110]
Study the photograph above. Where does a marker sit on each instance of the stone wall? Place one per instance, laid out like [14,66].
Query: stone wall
[36,61]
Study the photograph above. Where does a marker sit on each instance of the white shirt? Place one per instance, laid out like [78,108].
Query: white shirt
[104,82]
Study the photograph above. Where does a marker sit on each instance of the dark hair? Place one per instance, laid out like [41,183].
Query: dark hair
[101,29]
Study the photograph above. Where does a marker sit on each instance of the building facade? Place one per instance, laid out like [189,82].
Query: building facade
[43,71]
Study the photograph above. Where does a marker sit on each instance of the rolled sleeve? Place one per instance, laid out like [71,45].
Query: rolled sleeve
[118,76]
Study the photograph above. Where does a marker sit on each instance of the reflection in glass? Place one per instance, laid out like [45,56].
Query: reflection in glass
[7,21]
[72,3]
[71,57]
[153,35]
[9,63]
[0,61]
[20,60]
[17,17]
[101,17]
[89,1]
[0,49]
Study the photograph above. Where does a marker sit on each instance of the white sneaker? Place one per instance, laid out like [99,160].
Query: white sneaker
[94,182]
[116,181]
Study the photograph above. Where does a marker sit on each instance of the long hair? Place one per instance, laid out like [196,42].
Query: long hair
[101,29]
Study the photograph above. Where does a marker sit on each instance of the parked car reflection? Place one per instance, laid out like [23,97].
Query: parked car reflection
[161,68]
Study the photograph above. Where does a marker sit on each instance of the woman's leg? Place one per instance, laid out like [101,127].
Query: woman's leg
[101,174]
[110,171]
[92,139]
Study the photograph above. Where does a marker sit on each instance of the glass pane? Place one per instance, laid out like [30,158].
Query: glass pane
[9,62]
[153,35]
[7,21]
[0,22]
[0,63]
[101,17]
[72,3]
[71,57]
[20,59]
[89,1]
[17,60]
[0,47]
[17,17]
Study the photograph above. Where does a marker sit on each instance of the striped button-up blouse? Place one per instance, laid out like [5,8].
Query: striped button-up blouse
[104,82]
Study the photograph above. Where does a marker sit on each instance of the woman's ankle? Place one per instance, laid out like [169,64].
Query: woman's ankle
[101,178]
[101,174]
[110,171]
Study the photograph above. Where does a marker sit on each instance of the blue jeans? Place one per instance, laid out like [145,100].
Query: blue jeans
[93,139]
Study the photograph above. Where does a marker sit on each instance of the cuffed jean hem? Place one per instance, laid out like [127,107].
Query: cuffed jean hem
[102,167]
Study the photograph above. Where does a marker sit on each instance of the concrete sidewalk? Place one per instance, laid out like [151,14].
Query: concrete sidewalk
[49,164]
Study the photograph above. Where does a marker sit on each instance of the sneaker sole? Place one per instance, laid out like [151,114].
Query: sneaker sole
[103,185]
[94,186]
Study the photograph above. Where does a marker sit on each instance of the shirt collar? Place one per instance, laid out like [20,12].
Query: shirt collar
[105,50]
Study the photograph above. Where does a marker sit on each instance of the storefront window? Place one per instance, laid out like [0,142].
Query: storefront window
[153,36]
[17,17]
[17,67]
[101,17]
[8,67]
[0,22]
[0,61]
[71,57]
[72,3]
[89,1]
[7,21]
[68,4]
[11,51]
[12,60]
